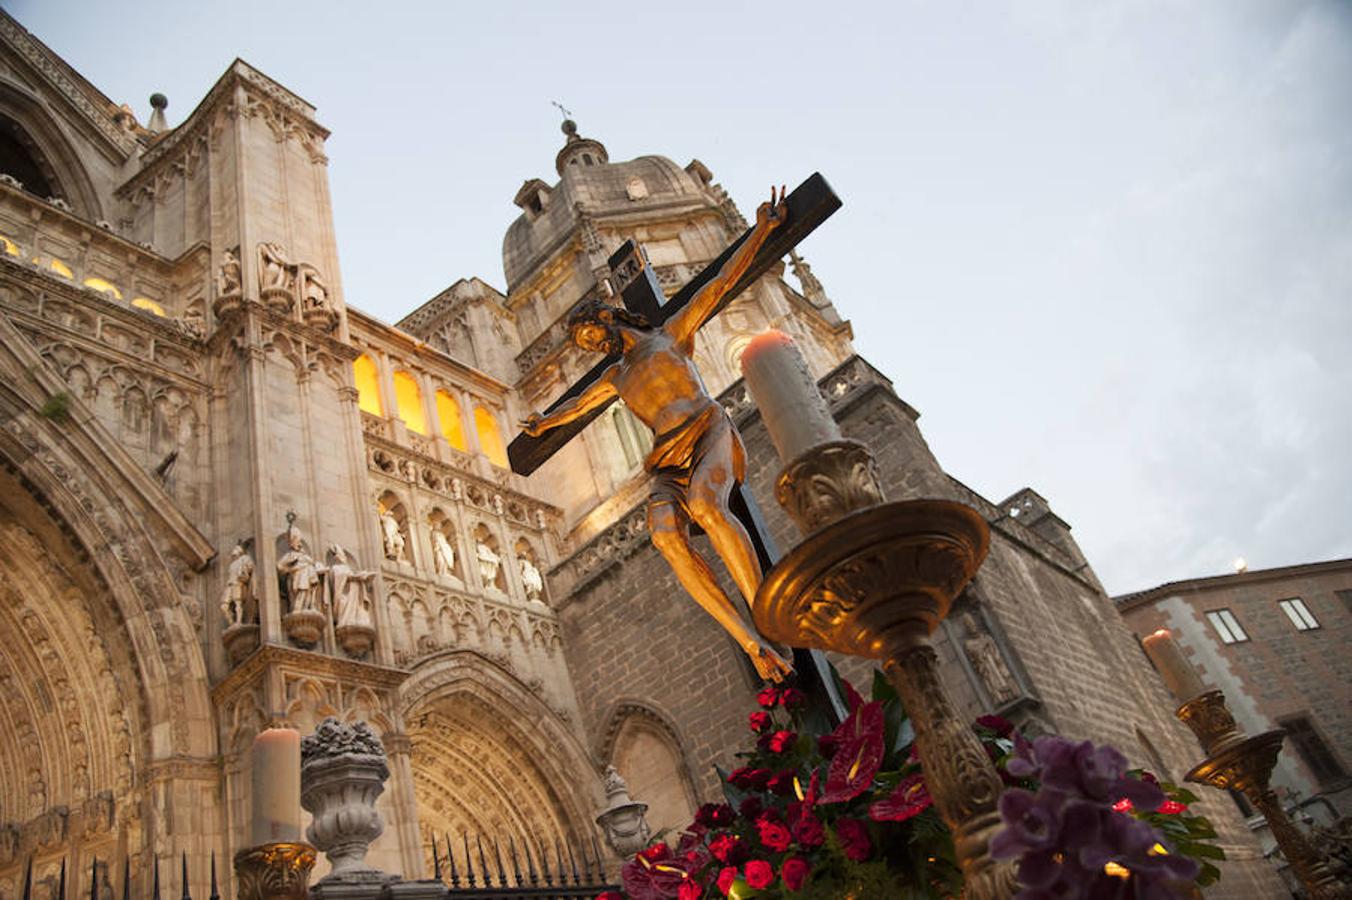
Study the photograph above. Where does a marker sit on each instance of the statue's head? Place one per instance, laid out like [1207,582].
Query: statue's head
[237,552]
[294,540]
[594,325]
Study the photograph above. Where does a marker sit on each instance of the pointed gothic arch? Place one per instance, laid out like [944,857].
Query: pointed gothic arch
[40,141]
[490,757]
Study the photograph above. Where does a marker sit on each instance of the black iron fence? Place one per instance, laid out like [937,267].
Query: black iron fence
[559,880]
[102,888]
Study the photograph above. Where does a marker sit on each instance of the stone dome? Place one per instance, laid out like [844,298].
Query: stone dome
[602,188]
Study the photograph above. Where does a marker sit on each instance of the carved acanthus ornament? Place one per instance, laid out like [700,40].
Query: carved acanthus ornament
[832,480]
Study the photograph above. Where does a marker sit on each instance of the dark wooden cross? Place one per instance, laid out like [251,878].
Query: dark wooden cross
[635,284]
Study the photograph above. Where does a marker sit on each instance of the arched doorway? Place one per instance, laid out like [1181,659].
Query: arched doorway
[490,761]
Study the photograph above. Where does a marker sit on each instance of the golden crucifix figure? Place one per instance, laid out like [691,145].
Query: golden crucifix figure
[697,456]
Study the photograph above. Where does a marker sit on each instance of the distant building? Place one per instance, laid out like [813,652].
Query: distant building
[1276,642]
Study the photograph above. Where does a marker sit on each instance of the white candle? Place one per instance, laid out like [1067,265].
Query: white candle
[1179,675]
[794,411]
[276,787]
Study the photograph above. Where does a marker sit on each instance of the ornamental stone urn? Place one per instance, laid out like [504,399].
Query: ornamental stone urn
[342,772]
[623,821]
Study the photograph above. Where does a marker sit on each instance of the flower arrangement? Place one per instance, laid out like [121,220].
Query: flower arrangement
[822,812]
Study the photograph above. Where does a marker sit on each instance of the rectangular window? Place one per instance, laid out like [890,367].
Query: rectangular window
[1227,626]
[1316,755]
[1299,614]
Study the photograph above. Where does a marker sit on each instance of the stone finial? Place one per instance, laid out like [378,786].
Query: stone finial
[158,122]
[342,772]
[623,820]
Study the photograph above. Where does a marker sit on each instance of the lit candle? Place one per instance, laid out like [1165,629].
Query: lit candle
[1179,675]
[276,787]
[794,411]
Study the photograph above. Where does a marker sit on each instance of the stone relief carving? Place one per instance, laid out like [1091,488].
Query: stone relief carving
[987,661]
[281,282]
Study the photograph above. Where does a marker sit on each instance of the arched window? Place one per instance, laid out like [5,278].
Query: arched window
[104,286]
[408,398]
[368,385]
[18,161]
[448,415]
[490,438]
[635,440]
[148,305]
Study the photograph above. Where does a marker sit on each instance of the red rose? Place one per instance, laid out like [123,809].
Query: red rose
[768,697]
[782,741]
[808,832]
[1172,807]
[760,721]
[655,852]
[690,890]
[749,779]
[794,872]
[725,847]
[726,876]
[774,835]
[781,783]
[792,698]
[759,875]
[1123,806]
[750,807]
[854,840]
[714,815]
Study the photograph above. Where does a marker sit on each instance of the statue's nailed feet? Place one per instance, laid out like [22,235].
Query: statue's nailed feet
[769,664]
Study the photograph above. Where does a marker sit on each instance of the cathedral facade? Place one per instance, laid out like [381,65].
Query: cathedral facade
[229,499]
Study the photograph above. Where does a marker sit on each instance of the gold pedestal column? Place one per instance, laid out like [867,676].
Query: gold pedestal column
[1236,761]
[874,579]
[279,871]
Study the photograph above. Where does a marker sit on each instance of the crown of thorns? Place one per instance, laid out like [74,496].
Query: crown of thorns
[595,311]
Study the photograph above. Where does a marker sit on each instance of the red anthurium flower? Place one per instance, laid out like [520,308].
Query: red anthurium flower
[859,754]
[759,874]
[653,875]
[690,890]
[726,876]
[655,852]
[609,895]
[908,799]
[782,741]
[794,872]
[760,721]
[768,697]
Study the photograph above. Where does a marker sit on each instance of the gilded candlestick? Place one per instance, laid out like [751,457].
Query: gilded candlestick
[274,871]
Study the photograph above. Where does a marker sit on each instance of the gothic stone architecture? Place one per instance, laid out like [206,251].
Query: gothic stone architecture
[228,499]
[1275,641]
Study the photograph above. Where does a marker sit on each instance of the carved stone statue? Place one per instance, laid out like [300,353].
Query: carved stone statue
[303,574]
[228,278]
[350,587]
[697,456]
[237,599]
[488,562]
[393,537]
[314,292]
[531,579]
[274,269]
[443,554]
[986,659]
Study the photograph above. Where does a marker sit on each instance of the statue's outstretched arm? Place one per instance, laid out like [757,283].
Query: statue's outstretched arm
[769,216]
[597,394]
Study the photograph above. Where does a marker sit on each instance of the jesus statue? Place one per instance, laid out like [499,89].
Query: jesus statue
[697,456]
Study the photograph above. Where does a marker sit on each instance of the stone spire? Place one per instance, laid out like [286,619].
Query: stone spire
[158,123]
[578,150]
[812,287]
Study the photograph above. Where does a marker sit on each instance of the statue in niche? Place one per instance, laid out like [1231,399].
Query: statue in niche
[228,277]
[443,554]
[350,590]
[393,537]
[237,599]
[988,662]
[274,269]
[489,561]
[531,579]
[303,574]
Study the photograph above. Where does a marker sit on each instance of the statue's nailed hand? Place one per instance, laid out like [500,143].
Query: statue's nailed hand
[773,213]
[531,424]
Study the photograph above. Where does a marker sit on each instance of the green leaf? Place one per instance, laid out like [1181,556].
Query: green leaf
[733,795]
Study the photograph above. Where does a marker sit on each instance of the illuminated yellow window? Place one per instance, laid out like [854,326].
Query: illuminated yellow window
[368,385]
[107,287]
[409,400]
[57,266]
[149,306]
[10,247]
[448,413]
[490,439]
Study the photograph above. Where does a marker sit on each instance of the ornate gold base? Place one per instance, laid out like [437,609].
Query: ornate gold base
[876,583]
[279,871]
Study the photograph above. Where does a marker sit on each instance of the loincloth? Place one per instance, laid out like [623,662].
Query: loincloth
[678,453]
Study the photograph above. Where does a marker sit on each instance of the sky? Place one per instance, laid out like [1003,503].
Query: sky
[1104,248]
